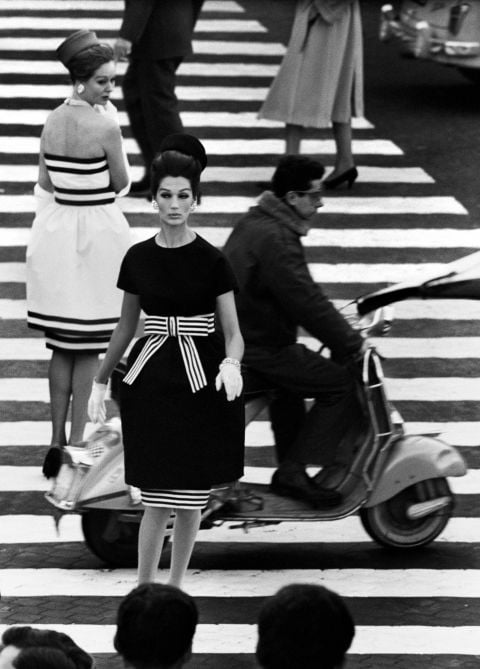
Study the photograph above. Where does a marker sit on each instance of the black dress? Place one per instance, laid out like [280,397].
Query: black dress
[175,438]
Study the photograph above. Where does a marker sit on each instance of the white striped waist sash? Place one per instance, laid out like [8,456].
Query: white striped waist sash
[184,328]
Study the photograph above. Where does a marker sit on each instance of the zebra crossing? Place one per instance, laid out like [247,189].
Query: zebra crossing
[396,224]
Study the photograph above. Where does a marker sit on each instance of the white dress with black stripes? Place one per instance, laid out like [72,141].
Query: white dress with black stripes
[78,239]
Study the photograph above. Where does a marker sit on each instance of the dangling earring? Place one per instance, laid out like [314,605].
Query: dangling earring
[155,204]
[192,206]
[80,89]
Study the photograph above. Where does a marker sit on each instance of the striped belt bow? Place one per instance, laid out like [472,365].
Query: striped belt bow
[185,329]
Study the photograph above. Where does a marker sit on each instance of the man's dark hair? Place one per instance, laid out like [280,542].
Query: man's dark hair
[23,636]
[40,657]
[295,173]
[304,625]
[155,625]
[85,63]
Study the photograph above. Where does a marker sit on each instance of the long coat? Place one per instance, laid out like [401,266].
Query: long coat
[321,76]
[160,28]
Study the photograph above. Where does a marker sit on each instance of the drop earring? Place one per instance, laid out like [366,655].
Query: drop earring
[193,206]
[155,204]
[80,89]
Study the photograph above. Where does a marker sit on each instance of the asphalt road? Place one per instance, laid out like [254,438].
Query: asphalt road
[418,609]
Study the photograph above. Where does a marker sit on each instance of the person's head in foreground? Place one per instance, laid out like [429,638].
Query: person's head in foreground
[305,626]
[155,627]
[18,643]
[297,181]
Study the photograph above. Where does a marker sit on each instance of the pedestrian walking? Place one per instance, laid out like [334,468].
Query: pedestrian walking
[155,627]
[79,235]
[156,37]
[320,81]
[182,433]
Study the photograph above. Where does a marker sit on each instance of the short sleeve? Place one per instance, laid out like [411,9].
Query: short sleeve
[126,279]
[224,280]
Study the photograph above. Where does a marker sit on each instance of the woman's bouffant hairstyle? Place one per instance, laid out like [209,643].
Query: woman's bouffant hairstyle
[42,658]
[175,164]
[83,65]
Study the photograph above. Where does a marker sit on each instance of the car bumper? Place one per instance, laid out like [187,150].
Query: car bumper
[419,40]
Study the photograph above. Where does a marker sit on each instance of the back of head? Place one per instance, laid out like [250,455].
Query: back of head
[82,54]
[294,173]
[30,637]
[304,625]
[42,658]
[155,626]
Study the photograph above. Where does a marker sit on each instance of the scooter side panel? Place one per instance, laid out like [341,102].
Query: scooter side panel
[413,459]
[104,486]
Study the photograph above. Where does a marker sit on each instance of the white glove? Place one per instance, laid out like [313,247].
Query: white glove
[96,403]
[230,378]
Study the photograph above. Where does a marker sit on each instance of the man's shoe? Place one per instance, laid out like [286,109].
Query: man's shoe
[297,484]
[330,476]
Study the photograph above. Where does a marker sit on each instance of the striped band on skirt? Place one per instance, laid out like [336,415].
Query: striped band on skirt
[176,499]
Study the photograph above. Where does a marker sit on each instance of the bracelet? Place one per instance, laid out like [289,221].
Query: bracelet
[230,361]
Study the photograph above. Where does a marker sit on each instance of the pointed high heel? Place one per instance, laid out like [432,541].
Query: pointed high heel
[349,176]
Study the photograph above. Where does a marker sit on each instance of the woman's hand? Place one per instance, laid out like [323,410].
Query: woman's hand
[230,378]
[96,403]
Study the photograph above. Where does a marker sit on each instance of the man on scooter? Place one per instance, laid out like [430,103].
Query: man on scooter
[277,295]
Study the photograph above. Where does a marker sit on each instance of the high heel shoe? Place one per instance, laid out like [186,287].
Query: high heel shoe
[349,176]
[52,462]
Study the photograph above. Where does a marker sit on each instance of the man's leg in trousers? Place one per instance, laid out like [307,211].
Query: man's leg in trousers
[305,373]
[134,105]
[287,414]
[160,104]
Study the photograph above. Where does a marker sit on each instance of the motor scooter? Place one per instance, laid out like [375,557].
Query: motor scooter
[396,482]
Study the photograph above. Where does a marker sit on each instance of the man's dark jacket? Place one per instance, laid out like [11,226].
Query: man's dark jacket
[160,29]
[277,292]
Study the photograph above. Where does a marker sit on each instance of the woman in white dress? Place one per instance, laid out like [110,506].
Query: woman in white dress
[79,235]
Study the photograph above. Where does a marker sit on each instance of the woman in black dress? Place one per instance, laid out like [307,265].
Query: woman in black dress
[182,433]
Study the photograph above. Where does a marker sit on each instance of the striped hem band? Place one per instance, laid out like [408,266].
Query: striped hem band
[176,499]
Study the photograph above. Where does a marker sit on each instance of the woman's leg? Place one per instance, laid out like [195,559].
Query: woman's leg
[85,367]
[342,134]
[60,386]
[187,523]
[293,138]
[150,541]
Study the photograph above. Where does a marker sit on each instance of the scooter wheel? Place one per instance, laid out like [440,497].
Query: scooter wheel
[389,525]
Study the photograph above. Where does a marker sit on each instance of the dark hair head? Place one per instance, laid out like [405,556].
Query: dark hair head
[30,637]
[84,64]
[155,625]
[42,658]
[305,626]
[295,173]
[175,164]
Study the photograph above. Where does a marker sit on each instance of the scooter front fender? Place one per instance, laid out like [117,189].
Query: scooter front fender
[415,458]
[104,487]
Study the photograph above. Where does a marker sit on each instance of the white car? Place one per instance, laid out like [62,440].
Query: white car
[445,32]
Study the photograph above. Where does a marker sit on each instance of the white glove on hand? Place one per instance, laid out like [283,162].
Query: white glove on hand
[96,403]
[230,378]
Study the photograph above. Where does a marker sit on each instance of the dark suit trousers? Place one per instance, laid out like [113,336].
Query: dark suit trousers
[319,435]
[151,103]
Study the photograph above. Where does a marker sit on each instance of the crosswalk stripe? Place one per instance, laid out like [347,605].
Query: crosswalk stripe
[248,583]
[237,204]
[434,238]
[225,147]
[258,433]
[230,639]
[454,348]
[72,23]
[225,119]
[40,529]
[444,310]
[321,272]
[200,47]
[226,6]
[430,389]
[29,478]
